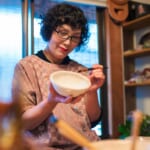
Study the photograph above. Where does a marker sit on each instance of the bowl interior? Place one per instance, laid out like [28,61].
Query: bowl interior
[70,80]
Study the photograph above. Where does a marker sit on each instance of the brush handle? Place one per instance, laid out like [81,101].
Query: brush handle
[71,133]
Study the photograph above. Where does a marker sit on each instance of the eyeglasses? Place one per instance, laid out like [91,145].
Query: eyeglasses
[64,35]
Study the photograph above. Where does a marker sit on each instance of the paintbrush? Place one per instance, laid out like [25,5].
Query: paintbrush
[88,69]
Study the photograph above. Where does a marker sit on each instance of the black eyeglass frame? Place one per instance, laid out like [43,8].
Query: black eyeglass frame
[74,39]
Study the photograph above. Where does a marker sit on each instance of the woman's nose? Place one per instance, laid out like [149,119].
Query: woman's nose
[68,41]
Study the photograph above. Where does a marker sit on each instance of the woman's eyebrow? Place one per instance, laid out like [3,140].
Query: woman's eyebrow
[66,30]
[76,32]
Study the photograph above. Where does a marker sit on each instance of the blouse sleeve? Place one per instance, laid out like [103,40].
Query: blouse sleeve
[23,86]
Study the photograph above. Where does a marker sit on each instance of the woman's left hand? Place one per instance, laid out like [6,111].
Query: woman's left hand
[97,77]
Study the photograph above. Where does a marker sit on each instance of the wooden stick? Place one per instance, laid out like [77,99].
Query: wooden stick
[137,120]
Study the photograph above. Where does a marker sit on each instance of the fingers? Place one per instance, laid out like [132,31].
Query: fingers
[52,90]
[97,66]
[77,99]
[97,77]
[74,100]
[54,96]
[98,72]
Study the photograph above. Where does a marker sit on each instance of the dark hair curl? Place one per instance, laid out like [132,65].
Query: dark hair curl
[64,14]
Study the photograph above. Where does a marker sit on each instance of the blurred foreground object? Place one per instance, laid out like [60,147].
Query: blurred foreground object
[10,126]
[72,134]
[112,144]
[125,129]
[137,120]
[11,133]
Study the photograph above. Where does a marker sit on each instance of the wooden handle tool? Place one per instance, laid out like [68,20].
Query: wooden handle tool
[71,133]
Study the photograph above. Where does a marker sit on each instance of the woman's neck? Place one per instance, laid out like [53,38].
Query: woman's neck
[50,57]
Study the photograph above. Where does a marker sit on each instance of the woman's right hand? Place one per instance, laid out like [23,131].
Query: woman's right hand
[55,97]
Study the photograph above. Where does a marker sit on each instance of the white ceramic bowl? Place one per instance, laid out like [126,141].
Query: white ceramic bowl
[68,83]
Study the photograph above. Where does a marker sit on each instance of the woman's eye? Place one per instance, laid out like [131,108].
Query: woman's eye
[64,33]
[75,37]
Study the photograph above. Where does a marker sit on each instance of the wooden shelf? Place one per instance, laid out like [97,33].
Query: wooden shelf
[130,62]
[136,53]
[145,83]
[137,23]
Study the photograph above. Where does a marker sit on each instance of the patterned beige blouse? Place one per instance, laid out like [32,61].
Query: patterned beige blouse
[30,86]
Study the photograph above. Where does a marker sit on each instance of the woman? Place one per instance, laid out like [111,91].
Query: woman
[64,27]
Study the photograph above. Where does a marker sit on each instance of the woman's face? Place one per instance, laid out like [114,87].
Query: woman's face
[63,40]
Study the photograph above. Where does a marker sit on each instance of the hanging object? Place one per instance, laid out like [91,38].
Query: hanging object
[118,9]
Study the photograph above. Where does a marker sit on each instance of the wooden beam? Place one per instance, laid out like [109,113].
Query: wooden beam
[114,75]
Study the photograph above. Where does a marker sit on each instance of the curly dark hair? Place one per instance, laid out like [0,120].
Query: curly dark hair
[64,13]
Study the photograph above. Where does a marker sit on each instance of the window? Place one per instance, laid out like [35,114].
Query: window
[89,53]
[10,45]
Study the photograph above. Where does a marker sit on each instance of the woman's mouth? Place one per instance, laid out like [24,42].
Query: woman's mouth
[63,49]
